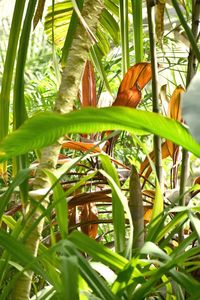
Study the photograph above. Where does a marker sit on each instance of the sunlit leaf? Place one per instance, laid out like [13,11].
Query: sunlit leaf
[44,128]
[81,146]
[174,108]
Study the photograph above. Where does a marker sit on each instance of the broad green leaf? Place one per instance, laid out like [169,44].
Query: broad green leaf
[44,128]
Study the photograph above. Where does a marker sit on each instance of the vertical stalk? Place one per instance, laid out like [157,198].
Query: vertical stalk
[9,66]
[152,39]
[192,69]
[8,71]
[19,107]
[136,209]
[123,11]
[138,29]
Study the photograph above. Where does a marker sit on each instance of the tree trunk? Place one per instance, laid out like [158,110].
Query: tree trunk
[68,90]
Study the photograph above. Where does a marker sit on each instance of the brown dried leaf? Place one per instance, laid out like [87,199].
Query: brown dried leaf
[38,13]
[160,10]
[129,93]
[88,86]
[85,198]
[81,146]
[174,109]
[89,213]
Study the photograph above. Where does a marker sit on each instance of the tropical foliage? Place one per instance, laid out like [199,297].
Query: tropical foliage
[100,202]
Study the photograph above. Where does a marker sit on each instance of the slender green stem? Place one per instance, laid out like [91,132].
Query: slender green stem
[8,74]
[152,39]
[123,11]
[9,66]
[192,69]
[136,209]
[138,29]
[188,31]
[19,107]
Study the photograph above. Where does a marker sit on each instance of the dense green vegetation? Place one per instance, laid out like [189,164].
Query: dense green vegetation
[100,202]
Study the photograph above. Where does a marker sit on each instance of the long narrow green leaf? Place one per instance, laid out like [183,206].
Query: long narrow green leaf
[9,65]
[120,198]
[20,253]
[95,282]
[98,251]
[61,204]
[138,29]
[69,270]
[117,207]
[96,59]
[158,204]
[188,31]
[123,12]
[70,34]
[30,136]
[4,199]
[19,107]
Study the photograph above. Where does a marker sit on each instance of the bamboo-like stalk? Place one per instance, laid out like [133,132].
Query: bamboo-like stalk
[67,93]
[138,29]
[136,209]
[123,11]
[152,39]
[8,72]
[192,69]
[19,108]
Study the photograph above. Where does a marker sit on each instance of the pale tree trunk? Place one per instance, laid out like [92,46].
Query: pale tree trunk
[68,90]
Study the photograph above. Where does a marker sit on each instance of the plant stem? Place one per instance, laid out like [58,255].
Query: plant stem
[19,108]
[8,74]
[136,209]
[138,29]
[152,38]
[192,69]
[123,10]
